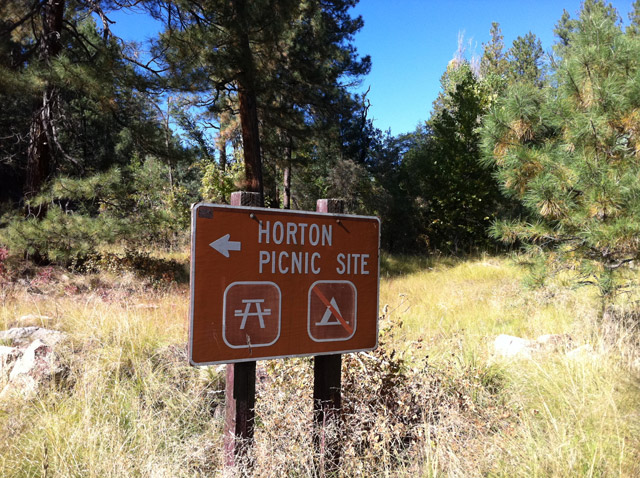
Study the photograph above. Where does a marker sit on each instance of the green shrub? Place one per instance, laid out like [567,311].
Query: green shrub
[134,206]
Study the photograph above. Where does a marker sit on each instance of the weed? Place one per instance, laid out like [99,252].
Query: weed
[4,254]
[157,270]
[43,276]
[430,401]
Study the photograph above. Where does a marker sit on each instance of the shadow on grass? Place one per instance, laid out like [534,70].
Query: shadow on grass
[141,263]
[395,265]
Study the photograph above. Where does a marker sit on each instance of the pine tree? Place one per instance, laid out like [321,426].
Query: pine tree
[72,106]
[221,48]
[494,64]
[462,196]
[279,62]
[571,153]
[307,98]
[634,16]
[525,61]
[563,30]
[493,59]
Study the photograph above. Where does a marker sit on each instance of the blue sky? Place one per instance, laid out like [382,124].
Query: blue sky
[411,42]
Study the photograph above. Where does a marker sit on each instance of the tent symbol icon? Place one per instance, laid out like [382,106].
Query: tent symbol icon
[332,311]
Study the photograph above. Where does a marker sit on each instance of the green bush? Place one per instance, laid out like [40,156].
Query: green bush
[134,206]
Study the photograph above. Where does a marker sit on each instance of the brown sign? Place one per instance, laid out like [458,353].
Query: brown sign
[268,283]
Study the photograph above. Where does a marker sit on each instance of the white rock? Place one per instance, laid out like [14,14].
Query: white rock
[34,320]
[583,352]
[34,358]
[553,342]
[23,335]
[8,357]
[509,346]
[37,364]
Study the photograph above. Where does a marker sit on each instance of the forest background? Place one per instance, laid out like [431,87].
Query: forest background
[103,148]
[104,145]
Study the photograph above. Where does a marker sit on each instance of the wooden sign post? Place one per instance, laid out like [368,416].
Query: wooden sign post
[327,387]
[240,384]
[270,283]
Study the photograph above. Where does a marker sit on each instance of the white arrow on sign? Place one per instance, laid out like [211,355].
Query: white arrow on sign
[224,245]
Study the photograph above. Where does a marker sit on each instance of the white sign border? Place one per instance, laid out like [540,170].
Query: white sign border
[192,272]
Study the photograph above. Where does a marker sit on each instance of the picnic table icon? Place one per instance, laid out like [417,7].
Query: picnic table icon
[251,314]
[246,313]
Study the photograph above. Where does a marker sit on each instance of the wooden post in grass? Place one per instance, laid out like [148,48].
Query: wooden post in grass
[327,389]
[240,392]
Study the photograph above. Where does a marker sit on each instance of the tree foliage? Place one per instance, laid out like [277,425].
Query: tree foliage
[494,63]
[132,205]
[81,107]
[570,152]
[279,65]
[101,145]
[76,108]
[526,61]
[454,197]
[73,101]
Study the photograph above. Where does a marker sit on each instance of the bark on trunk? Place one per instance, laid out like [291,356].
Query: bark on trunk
[222,151]
[287,176]
[39,152]
[247,98]
[251,140]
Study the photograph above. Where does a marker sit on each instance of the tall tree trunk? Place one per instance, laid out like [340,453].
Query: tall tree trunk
[247,98]
[287,175]
[275,191]
[39,152]
[167,144]
[222,151]
[251,140]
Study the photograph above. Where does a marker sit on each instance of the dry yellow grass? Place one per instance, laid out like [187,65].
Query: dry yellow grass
[432,401]
[572,416]
[463,305]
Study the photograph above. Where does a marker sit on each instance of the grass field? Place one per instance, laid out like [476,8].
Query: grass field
[433,400]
